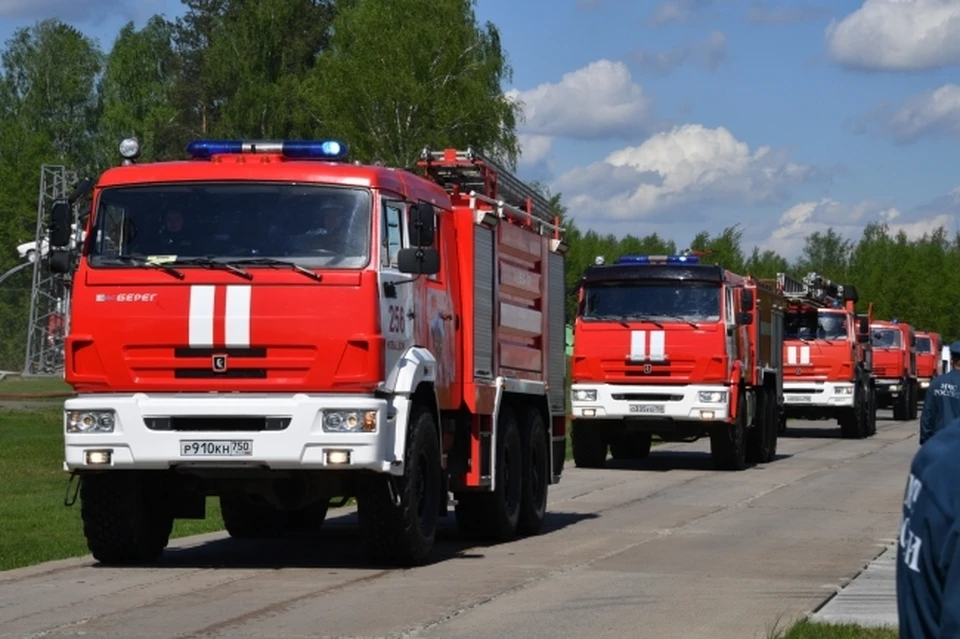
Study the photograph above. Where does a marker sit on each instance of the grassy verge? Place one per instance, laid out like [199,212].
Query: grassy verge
[17,387]
[35,526]
[810,630]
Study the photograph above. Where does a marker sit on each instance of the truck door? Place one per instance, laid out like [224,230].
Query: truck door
[396,291]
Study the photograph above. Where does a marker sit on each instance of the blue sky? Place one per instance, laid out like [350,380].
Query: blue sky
[675,116]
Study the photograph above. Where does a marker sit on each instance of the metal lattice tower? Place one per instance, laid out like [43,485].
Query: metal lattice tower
[50,299]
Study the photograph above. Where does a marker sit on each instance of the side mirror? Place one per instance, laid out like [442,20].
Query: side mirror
[422,224]
[60,261]
[419,261]
[744,319]
[864,325]
[746,300]
[863,338]
[61,217]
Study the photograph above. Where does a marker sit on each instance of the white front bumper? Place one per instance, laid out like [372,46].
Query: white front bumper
[892,386]
[302,444]
[615,402]
[818,394]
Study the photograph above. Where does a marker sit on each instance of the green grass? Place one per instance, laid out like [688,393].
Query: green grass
[35,526]
[810,630]
[26,386]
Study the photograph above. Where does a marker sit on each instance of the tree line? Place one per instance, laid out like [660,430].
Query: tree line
[388,77]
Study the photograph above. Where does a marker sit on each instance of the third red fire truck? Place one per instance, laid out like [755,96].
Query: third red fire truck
[667,346]
[929,363]
[827,355]
[273,325]
[895,367]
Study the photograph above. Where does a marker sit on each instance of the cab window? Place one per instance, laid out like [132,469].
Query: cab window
[392,235]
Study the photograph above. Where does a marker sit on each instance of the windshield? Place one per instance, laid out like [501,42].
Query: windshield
[924,345]
[886,338]
[812,325]
[625,300]
[315,226]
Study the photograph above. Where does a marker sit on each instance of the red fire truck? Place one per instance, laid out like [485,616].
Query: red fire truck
[271,324]
[667,346]
[827,355]
[929,363]
[895,367]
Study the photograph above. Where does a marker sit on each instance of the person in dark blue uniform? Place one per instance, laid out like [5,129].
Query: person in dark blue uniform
[941,405]
[928,554]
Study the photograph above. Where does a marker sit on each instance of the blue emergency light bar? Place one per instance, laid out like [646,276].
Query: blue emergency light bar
[332,150]
[658,259]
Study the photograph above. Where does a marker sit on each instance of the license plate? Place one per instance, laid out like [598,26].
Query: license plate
[216,448]
[646,408]
[796,399]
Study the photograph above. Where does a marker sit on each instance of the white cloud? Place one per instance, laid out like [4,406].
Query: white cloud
[79,11]
[932,114]
[897,35]
[791,14]
[849,220]
[709,54]
[601,100]
[682,168]
[677,11]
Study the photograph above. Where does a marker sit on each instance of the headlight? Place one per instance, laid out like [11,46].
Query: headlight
[844,390]
[90,421]
[583,395]
[349,421]
[712,397]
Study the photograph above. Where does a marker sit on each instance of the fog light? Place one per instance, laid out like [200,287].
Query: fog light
[924,384]
[98,457]
[707,414]
[589,412]
[336,457]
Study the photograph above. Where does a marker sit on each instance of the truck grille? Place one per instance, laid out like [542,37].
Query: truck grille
[216,424]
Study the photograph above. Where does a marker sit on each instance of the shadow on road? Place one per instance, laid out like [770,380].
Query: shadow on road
[338,545]
[667,460]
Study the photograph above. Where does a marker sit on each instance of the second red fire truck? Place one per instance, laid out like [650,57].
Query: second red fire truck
[929,363]
[895,367]
[827,355]
[667,346]
[270,324]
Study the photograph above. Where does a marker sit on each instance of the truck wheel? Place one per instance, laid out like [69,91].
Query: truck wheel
[403,533]
[901,404]
[762,438]
[728,442]
[872,412]
[631,446]
[125,518]
[535,473]
[589,445]
[853,420]
[914,399]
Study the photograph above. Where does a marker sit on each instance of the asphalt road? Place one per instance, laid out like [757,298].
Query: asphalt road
[663,548]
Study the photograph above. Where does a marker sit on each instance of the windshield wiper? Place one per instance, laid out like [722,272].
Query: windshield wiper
[212,263]
[680,318]
[142,261]
[272,261]
[644,318]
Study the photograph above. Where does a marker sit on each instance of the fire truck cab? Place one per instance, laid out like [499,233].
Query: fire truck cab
[929,364]
[272,325]
[667,346]
[827,357]
[895,367]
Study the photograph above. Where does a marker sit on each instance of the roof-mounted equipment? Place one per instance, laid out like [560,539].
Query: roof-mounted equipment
[329,150]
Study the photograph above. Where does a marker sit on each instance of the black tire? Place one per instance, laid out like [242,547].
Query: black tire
[631,446]
[872,411]
[246,518]
[403,534]
[535,473]
[901,406]
[728,442]
[914,399]
[589,444]
[126,519]
[762,438]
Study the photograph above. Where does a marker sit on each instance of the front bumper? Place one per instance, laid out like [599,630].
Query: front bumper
[891,387]
[677,403]
[925,382]
[296,440]
[818,394]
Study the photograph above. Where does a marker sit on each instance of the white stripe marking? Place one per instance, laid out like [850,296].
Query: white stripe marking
[804,354]
[791,355]
[201,316]
[638,346]
[657,349]
[238,316]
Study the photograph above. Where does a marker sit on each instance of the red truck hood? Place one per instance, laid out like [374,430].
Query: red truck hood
[819,360]
[888,363]
[676,353]
[927,364]
[138,330]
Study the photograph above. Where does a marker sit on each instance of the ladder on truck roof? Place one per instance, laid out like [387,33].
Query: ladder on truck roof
[814,289]
[473,174]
